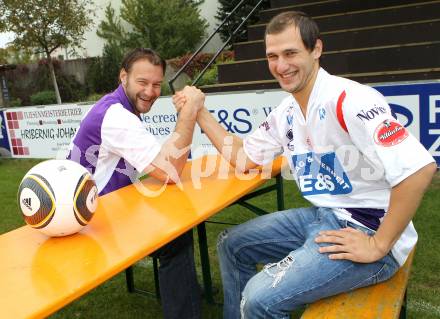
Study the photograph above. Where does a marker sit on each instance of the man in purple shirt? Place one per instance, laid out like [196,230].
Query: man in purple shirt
[113,144]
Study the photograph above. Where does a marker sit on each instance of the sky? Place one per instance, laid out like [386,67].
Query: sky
[5,38]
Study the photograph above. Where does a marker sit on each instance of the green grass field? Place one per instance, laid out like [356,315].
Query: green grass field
[111,299]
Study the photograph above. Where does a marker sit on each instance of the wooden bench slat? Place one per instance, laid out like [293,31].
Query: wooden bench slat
[383,300]
[39,275]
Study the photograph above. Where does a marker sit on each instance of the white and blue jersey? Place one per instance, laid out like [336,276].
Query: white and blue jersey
[346,154]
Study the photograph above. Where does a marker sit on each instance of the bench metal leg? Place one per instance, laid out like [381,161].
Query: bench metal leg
[201,230]
[280,192]
[156,277]
[129,278]
[204,255]
[204,259]
[403,308]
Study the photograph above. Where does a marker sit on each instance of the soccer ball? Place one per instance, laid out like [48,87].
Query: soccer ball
[57,197]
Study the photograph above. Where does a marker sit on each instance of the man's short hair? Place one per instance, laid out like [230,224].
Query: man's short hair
[307,26]
[142,54]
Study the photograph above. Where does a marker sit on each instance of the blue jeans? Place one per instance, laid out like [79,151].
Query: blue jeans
[179,289]
[295,273]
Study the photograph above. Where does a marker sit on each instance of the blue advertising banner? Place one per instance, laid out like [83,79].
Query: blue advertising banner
[417,106]
[5,149]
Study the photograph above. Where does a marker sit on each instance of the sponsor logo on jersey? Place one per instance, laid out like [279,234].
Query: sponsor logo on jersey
[320,173]
[321,113]
[290,144]
[371,113]
[265,125]
[289,114]
[390,133]
[289,134]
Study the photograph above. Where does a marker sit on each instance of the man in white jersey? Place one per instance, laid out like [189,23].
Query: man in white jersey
[113,144]
[360,168]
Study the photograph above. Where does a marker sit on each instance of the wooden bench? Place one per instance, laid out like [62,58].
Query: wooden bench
[385,300]
[40,275]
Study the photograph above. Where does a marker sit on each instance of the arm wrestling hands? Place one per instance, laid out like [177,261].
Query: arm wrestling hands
[234,153]
[169,163]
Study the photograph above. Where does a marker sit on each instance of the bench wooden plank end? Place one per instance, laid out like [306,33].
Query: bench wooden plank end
[383,300]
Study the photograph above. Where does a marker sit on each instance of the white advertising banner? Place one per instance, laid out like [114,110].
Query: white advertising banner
[45,132]
[238,113]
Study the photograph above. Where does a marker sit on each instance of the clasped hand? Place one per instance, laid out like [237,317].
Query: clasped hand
[191,97]
[351,244]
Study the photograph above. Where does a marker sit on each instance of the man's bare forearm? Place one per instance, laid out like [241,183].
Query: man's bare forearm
[228,145]
[169,163]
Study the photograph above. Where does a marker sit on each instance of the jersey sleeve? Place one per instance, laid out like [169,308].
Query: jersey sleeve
[264,144]
[124,134]
[382,139]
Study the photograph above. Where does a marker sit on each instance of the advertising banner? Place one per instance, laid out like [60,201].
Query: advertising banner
[238,113]
[5,150]
[417,106]
[43,131]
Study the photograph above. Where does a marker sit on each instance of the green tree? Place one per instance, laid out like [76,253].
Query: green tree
[4,55]
[110,28]
[46,25]
[103,74]
[226,6]
[172,27]
[11,54]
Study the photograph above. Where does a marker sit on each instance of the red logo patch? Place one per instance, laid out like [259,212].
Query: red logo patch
[390,133]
